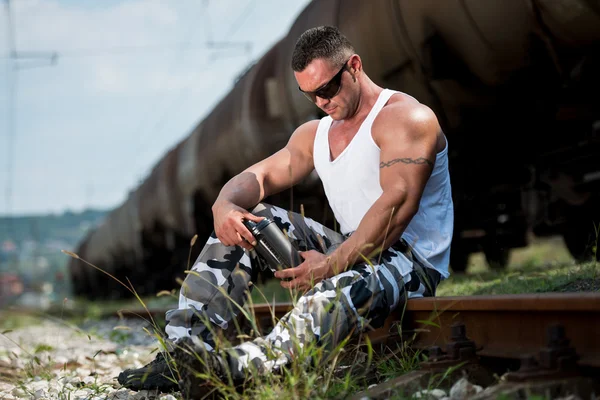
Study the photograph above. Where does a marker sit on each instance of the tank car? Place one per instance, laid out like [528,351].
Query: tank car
[514,84]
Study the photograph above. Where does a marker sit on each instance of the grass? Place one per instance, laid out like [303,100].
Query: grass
[350,367]
[544,266]
[540,279]
[13,319]
[313,373]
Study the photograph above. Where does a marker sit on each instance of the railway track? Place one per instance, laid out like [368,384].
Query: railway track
[529,338]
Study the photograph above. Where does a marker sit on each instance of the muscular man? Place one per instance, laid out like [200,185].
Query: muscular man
[382,158]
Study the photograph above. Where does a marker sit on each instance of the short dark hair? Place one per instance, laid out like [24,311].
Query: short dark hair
[321,42]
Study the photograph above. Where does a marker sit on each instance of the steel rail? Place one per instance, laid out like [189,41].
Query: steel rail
[506,326]
[501,326]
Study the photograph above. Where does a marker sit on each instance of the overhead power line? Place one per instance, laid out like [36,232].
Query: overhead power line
[182,49]
[219,49]
[129,50]
[239,22]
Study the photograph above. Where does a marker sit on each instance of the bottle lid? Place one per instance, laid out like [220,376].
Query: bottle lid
[263,224]
[254,227]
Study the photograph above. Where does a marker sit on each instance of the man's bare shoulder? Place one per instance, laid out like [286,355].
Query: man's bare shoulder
[403,116]
[304,136]
[308,128]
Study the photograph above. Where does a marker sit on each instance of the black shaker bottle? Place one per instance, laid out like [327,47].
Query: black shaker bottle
[273,245]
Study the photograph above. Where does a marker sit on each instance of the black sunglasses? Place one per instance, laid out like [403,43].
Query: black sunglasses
[328,90]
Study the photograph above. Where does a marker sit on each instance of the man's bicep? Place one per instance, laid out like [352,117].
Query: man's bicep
[280,171]
[407,159]
[287,166]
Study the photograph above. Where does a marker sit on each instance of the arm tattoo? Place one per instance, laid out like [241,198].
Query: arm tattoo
[406,160]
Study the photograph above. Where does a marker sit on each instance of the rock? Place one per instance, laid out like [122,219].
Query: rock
[89,380]
[122,394]
[463,390]
[61,360]
[104,364]
[82,372]
[38,385]
[83,393]
[145,395]
[79,367]
[434,394]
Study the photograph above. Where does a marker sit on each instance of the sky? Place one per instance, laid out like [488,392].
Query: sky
[131,78]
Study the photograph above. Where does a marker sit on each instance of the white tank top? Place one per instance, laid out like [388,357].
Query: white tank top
[351,184]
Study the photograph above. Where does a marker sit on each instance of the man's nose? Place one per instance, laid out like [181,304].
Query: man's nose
[322,102]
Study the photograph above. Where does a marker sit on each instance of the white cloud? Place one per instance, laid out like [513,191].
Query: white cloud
[50,24]
[109,117]
[70,29]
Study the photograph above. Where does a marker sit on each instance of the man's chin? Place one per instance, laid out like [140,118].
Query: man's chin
[334,114]
[330,111]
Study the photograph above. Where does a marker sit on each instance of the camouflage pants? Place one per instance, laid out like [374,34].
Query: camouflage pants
[335,308]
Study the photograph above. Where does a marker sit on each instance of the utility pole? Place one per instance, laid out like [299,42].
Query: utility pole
[16,64]
[14,57]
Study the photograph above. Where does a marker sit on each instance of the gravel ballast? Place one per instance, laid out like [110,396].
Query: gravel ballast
[53,360]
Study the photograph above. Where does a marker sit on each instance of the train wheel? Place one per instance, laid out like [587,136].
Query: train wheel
[497,257]
[581,232]
[459,259]
[581,243]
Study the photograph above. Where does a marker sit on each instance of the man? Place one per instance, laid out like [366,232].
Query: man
[382,158]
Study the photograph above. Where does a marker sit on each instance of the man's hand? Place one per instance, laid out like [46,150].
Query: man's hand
[229,227]
[315,267]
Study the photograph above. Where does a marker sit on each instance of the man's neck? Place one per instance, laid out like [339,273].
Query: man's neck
[368,97]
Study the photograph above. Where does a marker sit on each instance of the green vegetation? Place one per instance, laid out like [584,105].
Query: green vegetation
[272,292]
[11,320]
[33,271]
[544,266]
[68,227]
[400,361]
[540,279]
[351,367]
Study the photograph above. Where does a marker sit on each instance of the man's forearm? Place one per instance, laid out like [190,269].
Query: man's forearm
[244,190]
[381,226]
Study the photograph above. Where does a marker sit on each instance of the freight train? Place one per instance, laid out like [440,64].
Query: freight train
[514,83]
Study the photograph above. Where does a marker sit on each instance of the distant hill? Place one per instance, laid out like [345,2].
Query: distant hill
[33,271]
[67,228]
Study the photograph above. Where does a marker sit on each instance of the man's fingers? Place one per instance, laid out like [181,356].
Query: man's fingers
[224,239]
[246,234]
[231,239]
[246,245]
[239,238]
[252,217]
[289,272]
[295,283]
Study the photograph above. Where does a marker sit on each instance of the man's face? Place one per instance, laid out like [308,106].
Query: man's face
[321,76]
